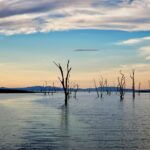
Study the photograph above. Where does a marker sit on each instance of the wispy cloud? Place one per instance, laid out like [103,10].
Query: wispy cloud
[143,44]
[145,51]
[86,50]
[135,41]
[30,16]
[140,67]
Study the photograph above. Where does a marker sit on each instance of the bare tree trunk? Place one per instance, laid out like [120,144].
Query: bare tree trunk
[66,99]
[101,83]
[53,89]
[89,90]
[64,80]
[45,88]
[76,88]
[149,84]
[96,88]
[42,89]
[139,88]
[121,85]
[106,87]
[133,83]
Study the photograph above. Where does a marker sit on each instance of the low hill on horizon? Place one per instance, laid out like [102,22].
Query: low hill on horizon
[11,90]
[39,89]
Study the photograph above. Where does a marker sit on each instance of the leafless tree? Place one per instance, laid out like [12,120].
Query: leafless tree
[96,88]
[53,89]
[117,88]
[121,85]
[71,86]
[106,86]
[42,88]
[139,88]
[101,83]
[76,88]
[133,83]
[45,87]
[89,90]
[48,88]
[108,90]
[149,84]
[64,80]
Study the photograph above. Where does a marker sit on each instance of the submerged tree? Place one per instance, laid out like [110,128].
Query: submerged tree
[89,90]
[96,88]
[121,85]
[149,84]
[64,80]
[42,88]
[45,87]
[53,90]
[133,83]
[101,83]
[107,87]
[139,88]
[71,85]
[76,88]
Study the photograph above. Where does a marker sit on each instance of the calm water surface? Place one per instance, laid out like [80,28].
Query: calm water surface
[35,121]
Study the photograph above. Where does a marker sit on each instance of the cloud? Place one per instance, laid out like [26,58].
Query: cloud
[139,67]
[30,16]
[145,51]
[134,41]
[86,50]
[143,48]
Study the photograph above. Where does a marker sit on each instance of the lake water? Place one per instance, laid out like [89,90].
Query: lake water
[35,121]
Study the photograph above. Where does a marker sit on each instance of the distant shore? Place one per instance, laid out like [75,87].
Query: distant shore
[14,91]
[40,89]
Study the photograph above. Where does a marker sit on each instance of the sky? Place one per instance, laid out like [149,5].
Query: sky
[99,37]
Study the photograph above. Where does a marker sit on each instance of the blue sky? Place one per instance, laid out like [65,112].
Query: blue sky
[113,36]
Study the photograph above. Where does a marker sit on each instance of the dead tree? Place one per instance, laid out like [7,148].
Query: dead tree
[149,84]
[89,90]
[45,88]
[42,88]
[53,89]
[106,86]
[71,88]
[96,88]
[64,80]
[121,85]
[117,89]
[101,83]
[133,83]
[76,88]
[139,88]
[48,89]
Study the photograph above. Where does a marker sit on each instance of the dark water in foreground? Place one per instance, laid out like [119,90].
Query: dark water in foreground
[34,121]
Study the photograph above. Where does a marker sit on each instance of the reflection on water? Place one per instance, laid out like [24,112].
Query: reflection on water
[64,117]
[34,121]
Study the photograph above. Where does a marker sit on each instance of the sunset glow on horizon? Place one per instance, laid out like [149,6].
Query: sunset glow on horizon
[99,37]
